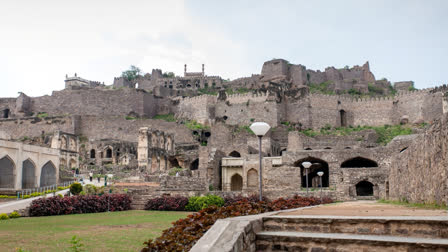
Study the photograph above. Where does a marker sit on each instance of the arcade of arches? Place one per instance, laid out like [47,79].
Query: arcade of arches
[28,170]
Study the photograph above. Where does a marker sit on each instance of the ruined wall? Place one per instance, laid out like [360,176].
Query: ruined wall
[424,166]
[33,126]
[199,108]
[117,127]
[96,102]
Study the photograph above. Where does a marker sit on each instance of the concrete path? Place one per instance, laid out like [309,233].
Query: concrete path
[11,206]
[367,208]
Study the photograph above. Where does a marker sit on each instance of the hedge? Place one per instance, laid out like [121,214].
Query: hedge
[79,204]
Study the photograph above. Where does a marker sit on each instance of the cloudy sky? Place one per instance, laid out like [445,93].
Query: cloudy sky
[43,40]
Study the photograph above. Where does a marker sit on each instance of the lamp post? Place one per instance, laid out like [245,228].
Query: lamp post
[320,178]
[306,165]
[260,129]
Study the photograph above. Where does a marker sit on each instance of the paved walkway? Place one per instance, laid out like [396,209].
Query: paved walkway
[11,206]
[367,208]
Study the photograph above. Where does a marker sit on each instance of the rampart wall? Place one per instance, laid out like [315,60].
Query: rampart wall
[424,165]
[96,102]
[34,126]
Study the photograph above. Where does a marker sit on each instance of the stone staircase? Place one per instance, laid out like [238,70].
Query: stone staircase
[353,233]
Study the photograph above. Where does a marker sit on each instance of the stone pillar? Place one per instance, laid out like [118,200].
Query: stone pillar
[143,148]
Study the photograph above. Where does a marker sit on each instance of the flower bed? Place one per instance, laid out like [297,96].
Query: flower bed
[79,204]
[186,232]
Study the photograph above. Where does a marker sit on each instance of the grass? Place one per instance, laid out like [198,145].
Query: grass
[416,205]
[165,117]
[114,231]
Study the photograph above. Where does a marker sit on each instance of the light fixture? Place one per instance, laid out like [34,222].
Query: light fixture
[260,129]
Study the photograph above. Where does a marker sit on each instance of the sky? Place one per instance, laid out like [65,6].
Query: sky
[43,40]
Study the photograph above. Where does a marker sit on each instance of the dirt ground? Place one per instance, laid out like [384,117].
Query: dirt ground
[367,208]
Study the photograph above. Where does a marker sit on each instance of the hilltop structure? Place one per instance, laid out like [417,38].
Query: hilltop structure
[195,125]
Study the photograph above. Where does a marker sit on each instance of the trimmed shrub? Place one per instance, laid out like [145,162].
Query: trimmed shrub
[197,203]
[79,204]
[14,215]
[167,203]
[186,232]
[75,188]
[4,216]
[229,200]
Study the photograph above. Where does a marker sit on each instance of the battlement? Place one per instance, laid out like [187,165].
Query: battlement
[243,98]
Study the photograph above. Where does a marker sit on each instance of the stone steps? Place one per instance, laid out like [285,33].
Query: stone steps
[353,233]
[306,241]
[403,226]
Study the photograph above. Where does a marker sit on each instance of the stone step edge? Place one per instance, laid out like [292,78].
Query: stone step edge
[357,218]
[319,237]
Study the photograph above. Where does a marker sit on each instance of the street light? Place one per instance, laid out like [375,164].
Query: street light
[306,165]
[320,174]
[260,129]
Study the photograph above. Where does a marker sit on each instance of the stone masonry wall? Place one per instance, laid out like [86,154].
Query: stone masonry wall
[419,173]
[34,126]
[98,101]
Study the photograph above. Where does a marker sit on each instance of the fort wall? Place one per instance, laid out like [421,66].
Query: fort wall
[34,126]
[418,173]
[96,102]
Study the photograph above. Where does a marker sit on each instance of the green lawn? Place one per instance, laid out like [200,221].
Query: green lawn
[114,231]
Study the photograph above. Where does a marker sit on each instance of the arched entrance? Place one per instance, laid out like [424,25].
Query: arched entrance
[364,188]
[343,118]
[92,153]
[28,174]
[313,179]
[108,153]
[7,172]
[194,165]
[48,174]
[236,183]
[358,162]
[235,154]
[252,178]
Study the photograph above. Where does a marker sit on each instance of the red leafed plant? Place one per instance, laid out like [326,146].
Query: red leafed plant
[186,232]
[167,203]
[79,204]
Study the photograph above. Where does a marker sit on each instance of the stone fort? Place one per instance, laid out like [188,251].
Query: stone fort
[189,134]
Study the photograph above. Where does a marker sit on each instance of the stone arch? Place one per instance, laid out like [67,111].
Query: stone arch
[358,162]
[72,144]
[72,164]
[6,113]
[154,140]
[63,142]
[108,152]
[317,166]
[48,174]
[252,178]
[364,188]
[195,164]
[168,143]
[234,154]
[236,182]
[7,172]
[173,162]
[92,153]
[343,118]
[62,163]
[28,174]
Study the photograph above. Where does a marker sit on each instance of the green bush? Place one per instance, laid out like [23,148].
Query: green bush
[197,203]
[76,188]
[14,215]
[4,216]
[165,117]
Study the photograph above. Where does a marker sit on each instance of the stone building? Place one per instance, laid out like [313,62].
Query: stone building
[206,140]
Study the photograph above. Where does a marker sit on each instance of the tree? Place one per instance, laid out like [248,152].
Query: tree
[168,75]
[132,74]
